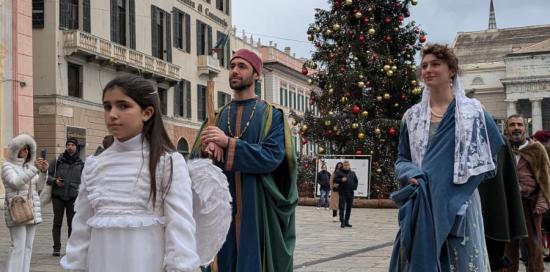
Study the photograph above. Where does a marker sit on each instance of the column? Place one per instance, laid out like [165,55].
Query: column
[511,107]
[536,114]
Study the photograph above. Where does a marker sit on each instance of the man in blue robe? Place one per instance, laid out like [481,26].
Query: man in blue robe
[252,144]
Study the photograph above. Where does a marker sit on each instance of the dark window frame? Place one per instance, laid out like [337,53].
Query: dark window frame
[163,100]
[161,41]
[68,14]
[182,30]
[38,13]
[74,86]
[201,102]
[204,38]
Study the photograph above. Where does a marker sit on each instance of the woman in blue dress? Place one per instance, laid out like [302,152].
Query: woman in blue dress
[448,145]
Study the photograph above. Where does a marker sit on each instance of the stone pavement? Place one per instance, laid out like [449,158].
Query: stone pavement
[322,246]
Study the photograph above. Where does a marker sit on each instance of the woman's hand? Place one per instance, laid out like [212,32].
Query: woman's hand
[413,181]
[41,164]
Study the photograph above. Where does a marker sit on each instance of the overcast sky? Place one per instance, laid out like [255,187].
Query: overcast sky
[286,21]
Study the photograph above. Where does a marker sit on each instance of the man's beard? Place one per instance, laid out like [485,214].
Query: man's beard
[516,138]
[241,86]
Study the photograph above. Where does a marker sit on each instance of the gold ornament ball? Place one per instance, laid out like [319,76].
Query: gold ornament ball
[417,91]
[389,73]
[396,105]
[372,152]
[328,32]
[330,113]
[365,114]
[310,81]
[413,67]
[361,135]
[354,125]
[358,15]
[310,38]
[361,84]
[379,98]
[394,68]
[317,29]
[361,76]
[344,99]
[331,90]
[328,123]
[413,82]
[349,2]
[414,2]
[293,122]
[377,131]
[372,31]
[334,128]
[338,132]
[387,96]
[304,128]
[321,150]
[335,27]
[379,170]
[387,67]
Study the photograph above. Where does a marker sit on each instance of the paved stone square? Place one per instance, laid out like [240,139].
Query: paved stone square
[322,246]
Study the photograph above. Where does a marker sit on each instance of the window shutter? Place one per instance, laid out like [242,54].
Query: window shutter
[132,21]
[114,21]
[209,40]
[87,27]
[200,39]
[177,30]
[168,39]
[154,33]
[187,33]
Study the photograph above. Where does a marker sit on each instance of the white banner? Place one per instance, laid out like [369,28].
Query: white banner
[361,165]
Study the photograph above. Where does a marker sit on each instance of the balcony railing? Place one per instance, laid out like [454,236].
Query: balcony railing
[208,65]
[75,41]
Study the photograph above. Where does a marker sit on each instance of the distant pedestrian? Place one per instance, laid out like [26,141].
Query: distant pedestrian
[23,175]
[334,195]
[107,141]
[64,177]
[323,179]
[347,184]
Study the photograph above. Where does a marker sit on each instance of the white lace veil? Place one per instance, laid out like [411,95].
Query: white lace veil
[472,154]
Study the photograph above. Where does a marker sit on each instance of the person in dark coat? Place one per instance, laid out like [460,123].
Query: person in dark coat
[323,178]
[502,209]
[544,138]
[64,177]
[347,184]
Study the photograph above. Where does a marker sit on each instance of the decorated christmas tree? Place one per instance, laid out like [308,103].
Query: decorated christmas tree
[365,71]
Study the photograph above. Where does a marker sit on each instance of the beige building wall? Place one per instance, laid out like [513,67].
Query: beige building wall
[55,110]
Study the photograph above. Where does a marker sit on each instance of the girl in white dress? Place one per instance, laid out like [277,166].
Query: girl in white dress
[127,219]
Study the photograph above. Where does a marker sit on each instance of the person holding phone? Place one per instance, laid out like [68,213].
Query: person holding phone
[64,177]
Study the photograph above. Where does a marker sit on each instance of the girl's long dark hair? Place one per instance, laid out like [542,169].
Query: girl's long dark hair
[336,167]
[144,94]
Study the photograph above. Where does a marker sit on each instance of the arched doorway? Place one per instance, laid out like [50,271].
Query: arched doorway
[183,147]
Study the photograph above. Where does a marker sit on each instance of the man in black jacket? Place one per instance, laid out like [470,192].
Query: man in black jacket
[323,178]
[64,178]
[347,180]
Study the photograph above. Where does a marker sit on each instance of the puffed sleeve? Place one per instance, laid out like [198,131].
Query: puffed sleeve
[17,180]
[180,244]
[76,257]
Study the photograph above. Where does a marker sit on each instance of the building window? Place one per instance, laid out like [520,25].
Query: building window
[182,30]
[123,22]
[300,102]
[281,95]
[160,32]
[74,77]
[201,101]
[68,14]
[183,147]
[204,39]
[223,99]
[37,13]
[223,5]
[86,16]
[223,49]
[182,99]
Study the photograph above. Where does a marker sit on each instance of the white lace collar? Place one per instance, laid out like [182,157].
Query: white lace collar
[472,148]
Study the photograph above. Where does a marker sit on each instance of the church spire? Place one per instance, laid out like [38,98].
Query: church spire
[492,19]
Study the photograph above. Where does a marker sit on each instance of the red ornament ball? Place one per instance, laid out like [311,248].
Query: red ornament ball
[342,69]
[387,20]
[400,18]
[304,71]
[365,20]
[361,38]
[422,38]
[388,38]
[358,152]
[392,132]
[356,109]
